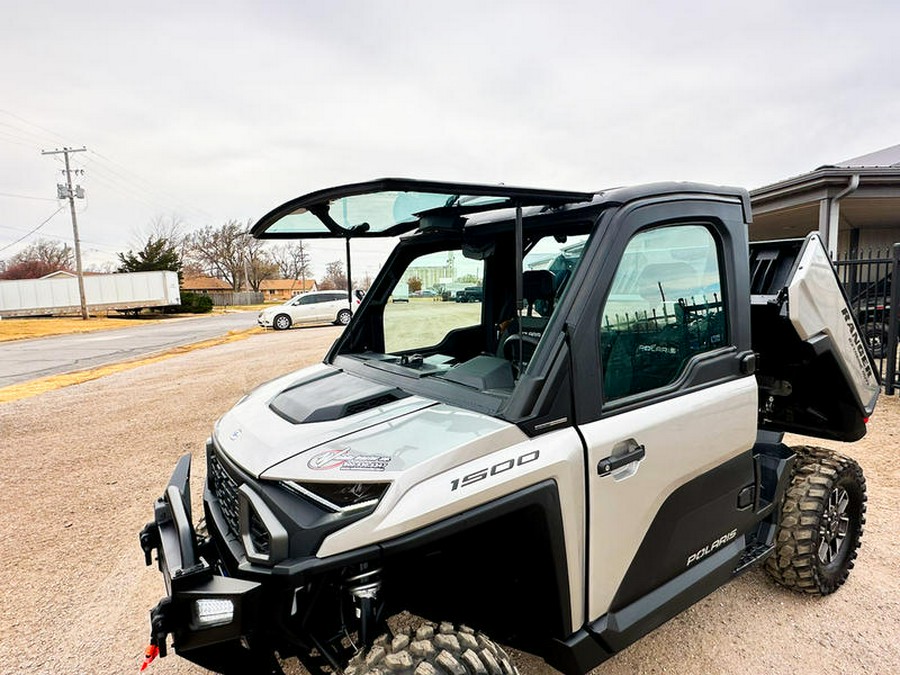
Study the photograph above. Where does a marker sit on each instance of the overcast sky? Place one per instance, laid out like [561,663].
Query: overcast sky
[222,110]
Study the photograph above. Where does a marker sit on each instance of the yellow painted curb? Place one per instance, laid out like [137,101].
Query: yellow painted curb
[15,392]
[30,329]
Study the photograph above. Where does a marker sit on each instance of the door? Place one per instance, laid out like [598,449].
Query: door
[304,308]
[671,418]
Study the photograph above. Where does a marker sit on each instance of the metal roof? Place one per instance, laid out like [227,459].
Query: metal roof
[887,157]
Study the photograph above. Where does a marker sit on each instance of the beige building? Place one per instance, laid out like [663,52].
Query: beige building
[284,289]
[854,205]
[205,285]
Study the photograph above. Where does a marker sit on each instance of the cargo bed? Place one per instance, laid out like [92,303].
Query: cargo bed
[816,375]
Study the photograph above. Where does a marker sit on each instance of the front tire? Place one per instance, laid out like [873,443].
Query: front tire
[343,317]
[281,322]
[433,650]
[822,520]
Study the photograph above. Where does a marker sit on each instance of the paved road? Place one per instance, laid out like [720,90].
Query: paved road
[23,360]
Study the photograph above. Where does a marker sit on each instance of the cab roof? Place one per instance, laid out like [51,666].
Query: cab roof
[388,207]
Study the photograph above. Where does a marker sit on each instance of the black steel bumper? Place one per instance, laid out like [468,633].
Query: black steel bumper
[202,607]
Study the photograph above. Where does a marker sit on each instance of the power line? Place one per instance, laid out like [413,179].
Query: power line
[37,126]
[149,187]
[40,199]
[32,231]
[15,140]
[28,136]
[117,176]
[125,191]
[108,247]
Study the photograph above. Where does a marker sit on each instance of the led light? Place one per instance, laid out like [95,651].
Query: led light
[342,496]
[212,612]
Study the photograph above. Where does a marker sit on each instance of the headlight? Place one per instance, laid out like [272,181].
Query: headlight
[341,496]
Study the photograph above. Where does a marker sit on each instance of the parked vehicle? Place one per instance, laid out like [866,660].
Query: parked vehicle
[871,303]
[401,292]
[313,307]
[470,294]
[599,451]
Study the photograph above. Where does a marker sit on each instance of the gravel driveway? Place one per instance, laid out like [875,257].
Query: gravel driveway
[83,465]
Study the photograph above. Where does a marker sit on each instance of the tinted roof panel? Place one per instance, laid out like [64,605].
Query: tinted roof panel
[391,206]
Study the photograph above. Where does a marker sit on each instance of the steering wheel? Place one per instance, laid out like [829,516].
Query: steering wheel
[516,344]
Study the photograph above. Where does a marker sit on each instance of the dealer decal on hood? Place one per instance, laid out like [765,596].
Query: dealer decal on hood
[343,460]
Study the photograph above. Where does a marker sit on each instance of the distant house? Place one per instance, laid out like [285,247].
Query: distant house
[205,285]
[65,274]
[59,274]
[284,289]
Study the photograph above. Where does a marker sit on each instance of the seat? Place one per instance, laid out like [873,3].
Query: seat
[522,334]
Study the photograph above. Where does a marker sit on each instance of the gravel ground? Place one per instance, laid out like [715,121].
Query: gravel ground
[83,465]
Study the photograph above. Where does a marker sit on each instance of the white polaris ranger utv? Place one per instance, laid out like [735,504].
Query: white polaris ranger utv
[564,466]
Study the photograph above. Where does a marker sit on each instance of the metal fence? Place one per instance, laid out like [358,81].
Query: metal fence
[867,279]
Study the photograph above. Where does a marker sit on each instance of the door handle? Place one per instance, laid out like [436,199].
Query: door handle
[609,464]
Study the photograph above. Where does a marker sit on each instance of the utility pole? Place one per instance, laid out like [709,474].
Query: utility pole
[63,192]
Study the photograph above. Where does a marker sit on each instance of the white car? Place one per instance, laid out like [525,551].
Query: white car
[314,307]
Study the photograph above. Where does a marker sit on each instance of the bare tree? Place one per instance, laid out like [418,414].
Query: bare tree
[334,278]
[171,228]
[101,268]
[293,261]
[258,263]
[56,254]
[230,253]
[219,251]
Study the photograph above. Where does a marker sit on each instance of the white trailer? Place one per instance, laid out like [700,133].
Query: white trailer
[59,294]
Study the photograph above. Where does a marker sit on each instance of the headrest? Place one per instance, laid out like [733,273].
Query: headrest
[537,285]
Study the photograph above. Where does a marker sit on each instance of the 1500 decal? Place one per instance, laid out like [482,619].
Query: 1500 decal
[496,469]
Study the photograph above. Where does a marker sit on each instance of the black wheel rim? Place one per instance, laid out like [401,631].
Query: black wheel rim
[835,526]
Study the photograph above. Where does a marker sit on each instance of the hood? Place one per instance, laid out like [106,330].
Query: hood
[323,424]
[307,410]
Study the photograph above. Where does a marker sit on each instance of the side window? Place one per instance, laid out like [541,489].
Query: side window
[664,306]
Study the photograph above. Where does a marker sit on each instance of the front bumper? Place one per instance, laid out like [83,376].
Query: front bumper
[202,607]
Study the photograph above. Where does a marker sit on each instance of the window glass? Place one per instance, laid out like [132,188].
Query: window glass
[414,318]
[664,306]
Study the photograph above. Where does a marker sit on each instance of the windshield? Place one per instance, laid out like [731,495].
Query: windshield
[392,206]
[451,313]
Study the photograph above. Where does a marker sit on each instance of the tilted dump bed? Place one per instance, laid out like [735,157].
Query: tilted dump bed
[816,376]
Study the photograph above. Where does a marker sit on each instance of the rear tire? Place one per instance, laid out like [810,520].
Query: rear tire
[343,317]
[281,322]
[433,650]
[822,520]
[877,339]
